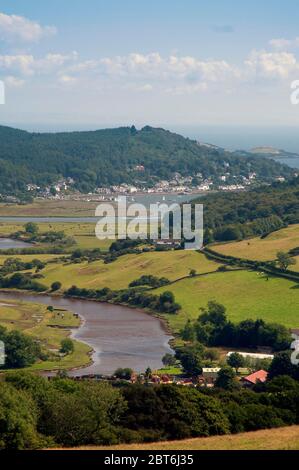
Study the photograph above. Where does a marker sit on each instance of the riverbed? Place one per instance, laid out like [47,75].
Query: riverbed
[120,336]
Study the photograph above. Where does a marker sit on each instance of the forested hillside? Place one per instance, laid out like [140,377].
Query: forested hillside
[256,212]
[110,156]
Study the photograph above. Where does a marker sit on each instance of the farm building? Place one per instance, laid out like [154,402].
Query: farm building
[253,379]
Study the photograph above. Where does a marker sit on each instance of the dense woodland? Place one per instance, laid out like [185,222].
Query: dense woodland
[39,413]
[109,156]
[233,216]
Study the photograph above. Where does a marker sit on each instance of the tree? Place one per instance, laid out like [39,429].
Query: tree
[67,346]
[212,354]
[281,365]
[31,228]
[236,361]
[148,373]
[124,374]
[214,313]
[169,360]
[56,286]
[188,332]
[18,420]
[83,413]
[228,234]
[167,412]
[208,236]
[191,359]
[20,350]
[167,296]
[192,273]
[227,379]
[284,260]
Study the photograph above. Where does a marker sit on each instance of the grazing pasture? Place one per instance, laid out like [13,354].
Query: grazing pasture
[263,249]
[127,268]
[246,294]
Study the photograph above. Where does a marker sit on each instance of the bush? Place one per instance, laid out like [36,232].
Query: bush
[67,346]
[56,286]
[124,374]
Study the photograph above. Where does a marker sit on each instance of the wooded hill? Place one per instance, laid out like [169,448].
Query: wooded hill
[110,156]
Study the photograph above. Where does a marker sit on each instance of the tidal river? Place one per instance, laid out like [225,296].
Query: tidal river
[8,244]
[120,336]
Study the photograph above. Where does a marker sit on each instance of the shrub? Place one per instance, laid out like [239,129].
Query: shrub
[56,286]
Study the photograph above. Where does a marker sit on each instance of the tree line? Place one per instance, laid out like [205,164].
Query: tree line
[36,412]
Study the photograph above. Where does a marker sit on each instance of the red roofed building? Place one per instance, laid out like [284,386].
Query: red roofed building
[252,379]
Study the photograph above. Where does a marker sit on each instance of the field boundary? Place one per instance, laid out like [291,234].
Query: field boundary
[251,264]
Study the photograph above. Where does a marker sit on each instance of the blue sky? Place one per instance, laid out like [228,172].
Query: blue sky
[93,63]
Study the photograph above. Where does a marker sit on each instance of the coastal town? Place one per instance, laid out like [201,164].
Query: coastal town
[65,188]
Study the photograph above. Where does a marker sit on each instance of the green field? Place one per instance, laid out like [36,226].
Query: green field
[119,274]
[28,258]
[83,233]
[50,208]
[48,327]
[270,439]
[263,249]
[246,294]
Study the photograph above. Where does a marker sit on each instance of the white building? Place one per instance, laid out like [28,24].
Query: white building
[252,355]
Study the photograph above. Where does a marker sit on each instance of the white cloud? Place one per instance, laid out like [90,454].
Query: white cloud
[272,64]
[139,72]
[172,67]
[27,65]
[17,28]
[14,82]
[20,64]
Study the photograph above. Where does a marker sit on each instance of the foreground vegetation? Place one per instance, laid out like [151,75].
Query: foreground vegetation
[40,413]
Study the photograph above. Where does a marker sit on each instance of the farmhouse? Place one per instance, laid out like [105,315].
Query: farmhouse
[253,379]
[168,243]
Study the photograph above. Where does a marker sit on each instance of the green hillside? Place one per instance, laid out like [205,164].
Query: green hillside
[109,156]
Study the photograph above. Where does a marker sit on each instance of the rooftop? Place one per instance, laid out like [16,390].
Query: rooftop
[259,376]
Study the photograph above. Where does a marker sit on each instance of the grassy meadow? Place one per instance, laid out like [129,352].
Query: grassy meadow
[49,327]
[119,274]
[50,208]
[83,233]
[263,249]
[270,439]
[246,294]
